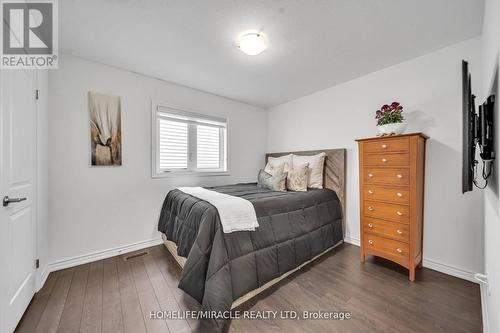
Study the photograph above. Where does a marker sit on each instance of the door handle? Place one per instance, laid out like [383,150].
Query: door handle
[6,200]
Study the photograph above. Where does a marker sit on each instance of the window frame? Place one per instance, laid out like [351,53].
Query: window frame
[183,112]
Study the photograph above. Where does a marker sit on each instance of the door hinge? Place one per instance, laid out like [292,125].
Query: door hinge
[37,263]
[37,94]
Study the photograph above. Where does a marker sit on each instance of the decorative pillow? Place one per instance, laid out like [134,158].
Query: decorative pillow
[275,183]
[274,169]
[277,161]
[316,165]
[297,178]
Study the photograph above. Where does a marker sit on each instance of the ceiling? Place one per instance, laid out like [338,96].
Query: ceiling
[313,44]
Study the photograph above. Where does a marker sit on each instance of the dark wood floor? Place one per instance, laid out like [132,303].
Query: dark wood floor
[114,295]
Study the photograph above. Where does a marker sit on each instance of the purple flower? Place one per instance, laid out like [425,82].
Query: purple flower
[389,113]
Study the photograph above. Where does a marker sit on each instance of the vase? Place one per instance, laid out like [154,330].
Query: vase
[394,128]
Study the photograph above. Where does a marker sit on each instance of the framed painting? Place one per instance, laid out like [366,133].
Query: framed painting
[105,130]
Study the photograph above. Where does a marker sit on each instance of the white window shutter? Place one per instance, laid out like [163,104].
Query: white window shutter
[173,144]
[208,147]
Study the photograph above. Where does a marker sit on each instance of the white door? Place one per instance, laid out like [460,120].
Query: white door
[17,182]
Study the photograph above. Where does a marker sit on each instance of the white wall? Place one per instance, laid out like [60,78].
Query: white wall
[429,87]
[98,208]
[490,64]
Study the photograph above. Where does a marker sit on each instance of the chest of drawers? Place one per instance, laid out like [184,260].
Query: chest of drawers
[391,191]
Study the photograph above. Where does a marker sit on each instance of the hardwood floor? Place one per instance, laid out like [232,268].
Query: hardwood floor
[115,295]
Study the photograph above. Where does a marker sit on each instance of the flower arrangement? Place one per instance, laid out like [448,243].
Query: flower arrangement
[390,114]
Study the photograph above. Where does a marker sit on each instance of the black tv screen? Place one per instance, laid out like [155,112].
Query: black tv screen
[468,144]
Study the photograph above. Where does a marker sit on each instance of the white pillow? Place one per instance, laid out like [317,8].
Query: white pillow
[273,162]
[275,169]
[316,163]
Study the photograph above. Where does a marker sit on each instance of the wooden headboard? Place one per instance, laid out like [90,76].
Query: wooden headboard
[333,173]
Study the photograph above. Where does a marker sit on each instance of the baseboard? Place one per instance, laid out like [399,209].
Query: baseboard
[352,240]
[450,270]
[94,256]
[484,307]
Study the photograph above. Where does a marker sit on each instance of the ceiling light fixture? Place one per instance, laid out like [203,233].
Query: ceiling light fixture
[252,43]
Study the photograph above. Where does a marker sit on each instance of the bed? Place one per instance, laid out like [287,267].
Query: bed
[223,270]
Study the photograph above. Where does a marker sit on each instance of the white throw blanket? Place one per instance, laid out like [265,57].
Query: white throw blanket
[236,214]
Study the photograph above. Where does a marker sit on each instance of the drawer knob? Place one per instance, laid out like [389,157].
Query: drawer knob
[384,160]
[370,192]
[384,146]
[370,208]
[370,175]
[399,213]
[399,194]
[370,242]
[398,250]
[399,232]
[399,176]
[370,225]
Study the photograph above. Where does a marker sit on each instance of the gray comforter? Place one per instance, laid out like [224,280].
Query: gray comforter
[293,228]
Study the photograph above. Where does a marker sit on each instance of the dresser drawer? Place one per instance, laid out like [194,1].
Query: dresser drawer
[392,176]
[396,231]
[387,211]
[395,159]
[385,145]
[390,194]
[387,247]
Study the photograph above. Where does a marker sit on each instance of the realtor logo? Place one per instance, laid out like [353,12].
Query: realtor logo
[29,34]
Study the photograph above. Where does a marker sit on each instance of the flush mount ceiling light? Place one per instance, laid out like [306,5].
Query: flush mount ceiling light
[252,43]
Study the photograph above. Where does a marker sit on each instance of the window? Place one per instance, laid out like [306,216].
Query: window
[187,142]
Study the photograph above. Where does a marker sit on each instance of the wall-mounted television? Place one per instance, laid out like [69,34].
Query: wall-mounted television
[477,132]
